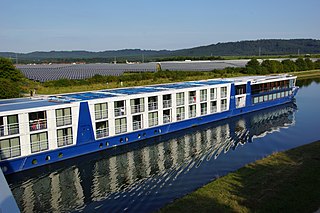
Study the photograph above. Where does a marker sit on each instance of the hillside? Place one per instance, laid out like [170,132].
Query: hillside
[240,48]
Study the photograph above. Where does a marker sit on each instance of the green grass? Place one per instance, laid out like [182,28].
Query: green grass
[283,182]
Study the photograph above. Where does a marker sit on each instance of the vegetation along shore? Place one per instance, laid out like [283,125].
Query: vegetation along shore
[13,84]
[282,182]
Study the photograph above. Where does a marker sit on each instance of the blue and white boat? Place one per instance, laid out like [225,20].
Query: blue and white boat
[41,130]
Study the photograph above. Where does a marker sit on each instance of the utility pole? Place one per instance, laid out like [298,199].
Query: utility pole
[259,51]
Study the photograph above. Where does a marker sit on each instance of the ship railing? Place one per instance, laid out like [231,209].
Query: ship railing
[203,111]
[10,129]
[180,101]
[121,128]
[153,122]
[213,109]
[65,140]
[223,107]
[103,132]
[180,116]
[192,99]
[166,119]
[64,120]
[136,125]
[101,114]
[223,94]
[38,146]
[137,108]
[37,124]
[203,98]
[192,114]
[10,152]
[213,96]
[153,106]
[167,103]
[119,111]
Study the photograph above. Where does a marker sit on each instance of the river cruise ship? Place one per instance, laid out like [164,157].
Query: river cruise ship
[42,130]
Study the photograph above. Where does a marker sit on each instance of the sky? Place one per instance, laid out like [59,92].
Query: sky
[99,25]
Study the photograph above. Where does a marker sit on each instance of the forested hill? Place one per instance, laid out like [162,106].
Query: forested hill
[241,48]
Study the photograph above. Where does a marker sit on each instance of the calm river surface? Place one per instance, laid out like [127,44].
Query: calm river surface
[145,176]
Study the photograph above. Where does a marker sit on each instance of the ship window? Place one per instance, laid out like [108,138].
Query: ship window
[270,97]
[166,116]
[274,96]
[37,120]
[39,142]
[260,99]
[10,148]
[265,98]
[192,97]
[203,108]
[167,101]
[192,111]
[64,137]
[213,106]
[63,116]
[255,100]
[137,105]
[240,89]
[203,95]
[9,125]
[152,103]
[180,113]
[153,118]
[121,125]
[102,129]
[101,111]
[223,104]
[223,92]
[119,108]
[180,98]
[213,93]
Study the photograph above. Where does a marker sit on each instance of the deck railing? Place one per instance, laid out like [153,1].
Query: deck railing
[37,124]
[153,122]
[10,152]
[152,106]
[101,114]
[121,128]
[192,99]
[65,140]
[102,133]
[166,119]
[136,125]
[10,129]
[137,108]
[213,109]
[180,101]
[119,111]
[64,120]
[180,116]
[192,114]
[38,146]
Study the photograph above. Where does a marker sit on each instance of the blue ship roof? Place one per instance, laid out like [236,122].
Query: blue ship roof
[27,103]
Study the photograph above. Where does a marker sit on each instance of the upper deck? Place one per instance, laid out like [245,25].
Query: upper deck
[45,101]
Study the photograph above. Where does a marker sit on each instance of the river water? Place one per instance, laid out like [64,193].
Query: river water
[145,176]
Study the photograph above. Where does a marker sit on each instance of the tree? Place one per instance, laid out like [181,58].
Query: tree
[289,66]
[253,66]
[309,64]
[8,71]
[9,89]
[301,64]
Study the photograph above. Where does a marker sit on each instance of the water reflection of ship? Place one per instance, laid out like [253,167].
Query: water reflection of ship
[138,171]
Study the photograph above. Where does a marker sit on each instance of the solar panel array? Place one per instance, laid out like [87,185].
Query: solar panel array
[202,65]
[49,72]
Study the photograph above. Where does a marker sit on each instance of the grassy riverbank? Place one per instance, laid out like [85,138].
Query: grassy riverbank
[283,182]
